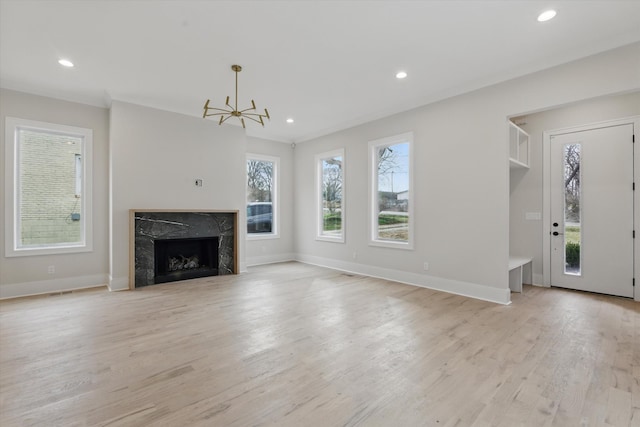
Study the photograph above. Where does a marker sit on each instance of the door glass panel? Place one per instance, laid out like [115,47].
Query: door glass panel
[572,214]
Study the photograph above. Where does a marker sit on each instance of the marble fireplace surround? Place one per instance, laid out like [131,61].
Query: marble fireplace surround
[148,225]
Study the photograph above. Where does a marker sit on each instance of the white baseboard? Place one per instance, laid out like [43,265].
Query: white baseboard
[473,290]
[15,290]
[118,283]
[242,266]
[269,259]
[467,289]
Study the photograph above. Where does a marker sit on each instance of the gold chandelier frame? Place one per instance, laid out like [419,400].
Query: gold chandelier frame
[225,114]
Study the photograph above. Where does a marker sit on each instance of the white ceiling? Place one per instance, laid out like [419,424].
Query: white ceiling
[328,64]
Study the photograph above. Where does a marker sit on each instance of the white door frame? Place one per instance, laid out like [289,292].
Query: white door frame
[546,192]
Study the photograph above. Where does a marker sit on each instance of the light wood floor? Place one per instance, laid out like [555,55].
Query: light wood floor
[298,345]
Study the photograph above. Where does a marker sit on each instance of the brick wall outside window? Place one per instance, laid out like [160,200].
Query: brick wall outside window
[47,192]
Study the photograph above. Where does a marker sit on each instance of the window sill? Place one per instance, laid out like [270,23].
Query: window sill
[51,250]
[262,236]
[408,246]
[330,239]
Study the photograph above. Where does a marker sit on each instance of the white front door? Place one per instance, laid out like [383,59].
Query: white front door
[591,179]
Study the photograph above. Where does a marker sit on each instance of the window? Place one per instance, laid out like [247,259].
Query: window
[390,185]
[330,187]
[48,188]
[262,196]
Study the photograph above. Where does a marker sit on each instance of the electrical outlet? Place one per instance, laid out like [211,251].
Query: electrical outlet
[426,266]
[51,269]
[355,255]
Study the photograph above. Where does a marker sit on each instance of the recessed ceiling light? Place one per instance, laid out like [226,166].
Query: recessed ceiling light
[289,120]
[65,63]
[546,15]
[401,75]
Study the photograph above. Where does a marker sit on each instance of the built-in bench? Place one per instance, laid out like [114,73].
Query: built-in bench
[520,271]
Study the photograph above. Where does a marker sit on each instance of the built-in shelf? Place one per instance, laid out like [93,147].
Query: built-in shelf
[518,147]
[514,164]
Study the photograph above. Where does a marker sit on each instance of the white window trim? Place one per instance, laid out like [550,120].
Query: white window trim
[319,211]
[12,223]
[373,191]
[275,207]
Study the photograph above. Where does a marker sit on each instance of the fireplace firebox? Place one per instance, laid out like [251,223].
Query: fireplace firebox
[181,259]
[187,245]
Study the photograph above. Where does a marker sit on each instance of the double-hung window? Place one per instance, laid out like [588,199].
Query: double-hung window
[47,188]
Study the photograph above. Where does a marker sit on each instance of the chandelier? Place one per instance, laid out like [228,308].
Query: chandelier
[233,111]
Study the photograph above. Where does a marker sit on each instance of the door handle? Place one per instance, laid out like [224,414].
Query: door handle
[555,233]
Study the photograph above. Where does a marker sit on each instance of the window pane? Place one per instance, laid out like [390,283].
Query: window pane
[260,196]
[332,196]
[572,196]
[393,192]
[49,204]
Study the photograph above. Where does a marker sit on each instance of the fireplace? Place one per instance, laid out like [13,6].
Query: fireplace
[181,259]
[168,246]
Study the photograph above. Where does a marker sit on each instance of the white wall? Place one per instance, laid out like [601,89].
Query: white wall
[526,185]
[155,157]
[460,205]
[28,275]
[268,250]
[461,178]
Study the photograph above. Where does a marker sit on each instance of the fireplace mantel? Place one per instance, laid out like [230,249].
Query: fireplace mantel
[148,225]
